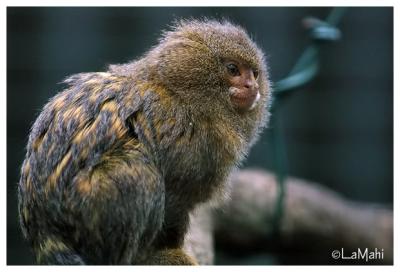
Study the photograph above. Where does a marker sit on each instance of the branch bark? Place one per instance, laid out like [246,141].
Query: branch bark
[312,214]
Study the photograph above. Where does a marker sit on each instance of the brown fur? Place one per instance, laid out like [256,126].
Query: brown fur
[116,162]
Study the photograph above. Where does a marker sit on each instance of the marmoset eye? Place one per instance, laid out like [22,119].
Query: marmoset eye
[233,70]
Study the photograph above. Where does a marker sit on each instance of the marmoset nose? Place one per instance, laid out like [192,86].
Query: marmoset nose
[248,84]
[251,84]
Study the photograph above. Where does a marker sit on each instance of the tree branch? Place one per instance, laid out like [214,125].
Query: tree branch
[311,213]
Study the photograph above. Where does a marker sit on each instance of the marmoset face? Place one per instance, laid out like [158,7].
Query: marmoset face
[244,88]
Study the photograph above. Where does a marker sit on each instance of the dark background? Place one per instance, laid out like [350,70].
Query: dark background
[338,129]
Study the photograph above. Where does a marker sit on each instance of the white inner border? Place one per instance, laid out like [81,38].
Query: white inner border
[3,107]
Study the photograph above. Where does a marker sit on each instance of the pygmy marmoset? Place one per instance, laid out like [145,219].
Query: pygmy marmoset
[117,160]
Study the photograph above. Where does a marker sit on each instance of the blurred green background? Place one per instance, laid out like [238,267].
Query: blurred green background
[338,129]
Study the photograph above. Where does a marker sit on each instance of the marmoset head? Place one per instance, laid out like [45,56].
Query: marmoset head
[210,61]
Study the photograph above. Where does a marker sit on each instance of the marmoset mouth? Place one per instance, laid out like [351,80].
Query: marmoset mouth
[244,99]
